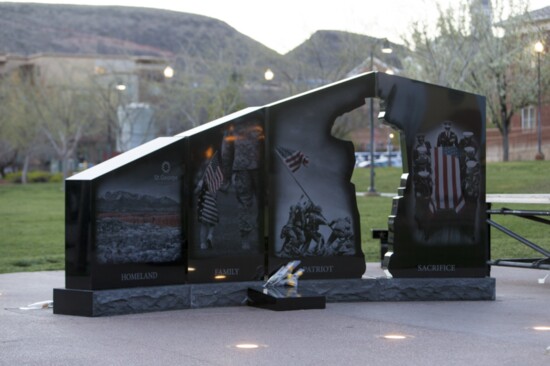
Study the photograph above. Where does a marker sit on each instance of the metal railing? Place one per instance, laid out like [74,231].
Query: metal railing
[542,261]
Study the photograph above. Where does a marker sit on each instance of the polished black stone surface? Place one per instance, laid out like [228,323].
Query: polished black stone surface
[191,220]
[437,226]
[124,222]
[226,218]
[284,298]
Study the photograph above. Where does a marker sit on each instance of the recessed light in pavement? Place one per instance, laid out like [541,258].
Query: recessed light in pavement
[395,336]
[249,346]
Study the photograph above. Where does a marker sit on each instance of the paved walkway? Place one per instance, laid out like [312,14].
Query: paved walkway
[437,333]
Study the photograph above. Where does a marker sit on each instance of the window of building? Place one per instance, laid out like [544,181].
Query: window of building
[528,118]
[99,70]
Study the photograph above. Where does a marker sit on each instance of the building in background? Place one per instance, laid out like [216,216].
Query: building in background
[126,88]
[524,133]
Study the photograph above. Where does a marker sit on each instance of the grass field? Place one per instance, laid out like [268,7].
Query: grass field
[32,216]
[510,177]
[31,227]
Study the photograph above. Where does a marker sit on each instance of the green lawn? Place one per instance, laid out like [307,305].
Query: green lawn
[32,227]
[510,177]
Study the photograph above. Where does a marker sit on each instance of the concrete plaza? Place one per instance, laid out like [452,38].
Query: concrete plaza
[485,333]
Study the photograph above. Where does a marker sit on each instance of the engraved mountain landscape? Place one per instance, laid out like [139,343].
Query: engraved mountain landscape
[137,228]
[121,201]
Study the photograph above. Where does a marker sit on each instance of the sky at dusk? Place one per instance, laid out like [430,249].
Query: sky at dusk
[284,24]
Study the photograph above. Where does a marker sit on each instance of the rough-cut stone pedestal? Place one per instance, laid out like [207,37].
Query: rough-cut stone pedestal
[161,298]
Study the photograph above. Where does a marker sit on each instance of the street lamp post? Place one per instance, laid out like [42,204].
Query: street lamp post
[539,48]
[390,148]
[119,86]
[168,73]
[385,49]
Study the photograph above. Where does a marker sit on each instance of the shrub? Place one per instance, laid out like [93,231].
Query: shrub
[56,178]
[13,177]
[37,176]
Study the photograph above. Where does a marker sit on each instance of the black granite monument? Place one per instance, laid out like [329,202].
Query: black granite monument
[124,220]
[234,199]
[437,227]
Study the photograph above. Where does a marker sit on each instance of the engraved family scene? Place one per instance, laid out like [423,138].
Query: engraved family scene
[227,192]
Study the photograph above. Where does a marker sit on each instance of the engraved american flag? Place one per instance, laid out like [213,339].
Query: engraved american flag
[213,175]
[447,190]
[293,159]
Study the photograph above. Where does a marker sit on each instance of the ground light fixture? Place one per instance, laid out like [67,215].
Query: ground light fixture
[247,346]
[395,336]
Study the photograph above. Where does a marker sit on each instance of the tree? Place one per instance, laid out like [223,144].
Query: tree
[18,123]
[228,98]
[107,97]
[8,150]
[65,115]
[43,104]
[182,104]
[200,91]
[65,110]
[480,47]
[8,153]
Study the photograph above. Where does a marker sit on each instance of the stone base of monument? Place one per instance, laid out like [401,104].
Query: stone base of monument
[175,297]
[284,298]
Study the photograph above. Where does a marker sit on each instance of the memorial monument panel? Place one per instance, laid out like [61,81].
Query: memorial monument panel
[313,208]
[226,216]
[438,224]
[124,220]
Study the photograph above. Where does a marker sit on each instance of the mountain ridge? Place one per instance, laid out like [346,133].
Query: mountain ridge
[30,28]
